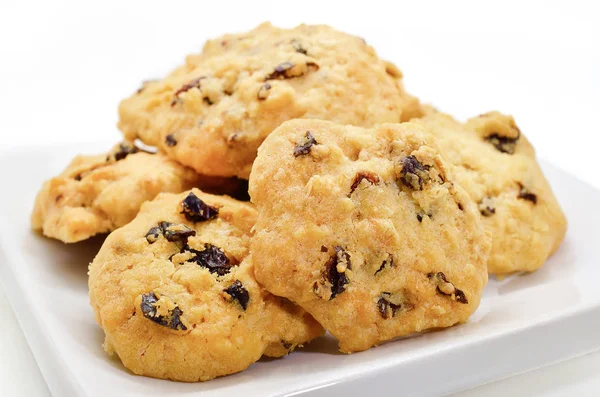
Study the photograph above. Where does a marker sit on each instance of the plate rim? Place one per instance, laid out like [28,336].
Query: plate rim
[61,380]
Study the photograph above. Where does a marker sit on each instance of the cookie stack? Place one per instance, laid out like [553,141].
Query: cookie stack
[371,216]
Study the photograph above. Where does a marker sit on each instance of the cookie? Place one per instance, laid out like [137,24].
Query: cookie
[96,194]
[175,293]
[366,230]
[496,165]
[213,112]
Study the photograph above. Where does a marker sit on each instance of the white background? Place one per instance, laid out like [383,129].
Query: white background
[64,66]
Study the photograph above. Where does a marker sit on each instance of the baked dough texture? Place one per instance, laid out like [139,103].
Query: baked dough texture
[96,194]
[175,294]
[495,163]
[366,229]
[213,112]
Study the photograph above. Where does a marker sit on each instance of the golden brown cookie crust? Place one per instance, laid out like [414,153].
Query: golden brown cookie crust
[213,112]
[366,230]
[96,194]
[178,300]
[496,165]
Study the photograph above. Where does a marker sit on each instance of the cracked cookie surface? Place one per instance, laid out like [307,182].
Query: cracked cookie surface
[213,112]
[496,165]
[366,230]
[96,194]
[175,294]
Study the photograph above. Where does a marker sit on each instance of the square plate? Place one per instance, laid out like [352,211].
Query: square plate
[524,322]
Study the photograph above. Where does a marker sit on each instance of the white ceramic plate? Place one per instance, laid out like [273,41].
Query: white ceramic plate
[524,322]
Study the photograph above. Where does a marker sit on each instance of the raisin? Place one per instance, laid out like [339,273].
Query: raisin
[486,206]
[502,143]
[298,47]
[526,194]
[212,258]
[176,233]
[460,296]
[303,147]
[324,249]
[188,86]
[445,287]
[281,71]
[125,150]
[170,140]
[263,91]
[153,234]
[388,306]
[288,70]
[413,173]
[171,320]
[238,293]
[420,218]
[372,178]
[77,177]
[196,210]
[334,274]
[460,206]
[388,262]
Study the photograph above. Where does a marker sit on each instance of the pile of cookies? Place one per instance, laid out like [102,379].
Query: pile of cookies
[282,183]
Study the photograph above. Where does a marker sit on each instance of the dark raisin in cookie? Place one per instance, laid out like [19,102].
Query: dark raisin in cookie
[177,299]
[495,163]
[367,230]
[213,112]
[97,194]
